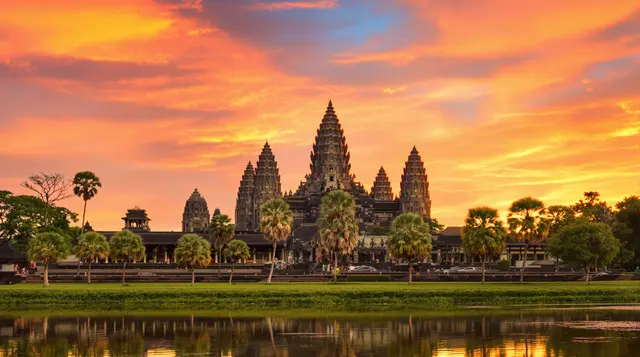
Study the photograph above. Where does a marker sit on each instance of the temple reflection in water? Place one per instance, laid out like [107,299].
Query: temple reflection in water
[489,336]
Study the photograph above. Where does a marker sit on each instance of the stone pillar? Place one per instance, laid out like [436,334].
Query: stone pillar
[254,256]
[144,260]
[284,256]
[165,256]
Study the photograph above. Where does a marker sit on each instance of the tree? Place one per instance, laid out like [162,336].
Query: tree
[126,246]
[585,243]
[193,252]
[221,232]
[50,188]
[85,186]
[594,210]
[48,247]
[91,246]
[16,221]
[557,217]
[527,224]
[410,239]
[435,227]
[483,234]
[337,224]
[276,222]
[627,228]
[236,250]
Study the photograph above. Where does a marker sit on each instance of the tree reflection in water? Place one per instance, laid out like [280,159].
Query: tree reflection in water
[377,336]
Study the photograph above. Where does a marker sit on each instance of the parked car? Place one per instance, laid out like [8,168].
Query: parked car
[468,270]
[363,269]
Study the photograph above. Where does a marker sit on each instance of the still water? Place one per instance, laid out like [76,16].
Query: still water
[601,333]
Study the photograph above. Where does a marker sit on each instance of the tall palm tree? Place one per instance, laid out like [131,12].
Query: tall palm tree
[90,246]
[276,222]
[85,186]
[193,252]
[410,239]
[236,250]
[337,225]
[48,247]
[126,246]
[221,232]
[527,224]
[483,234]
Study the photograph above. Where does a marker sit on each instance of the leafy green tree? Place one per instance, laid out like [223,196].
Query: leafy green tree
[91,246]
[236,250]
[594,210]
[276,222]
[435,227]
[527,224]
[16,221]
[48,247]
[85,186]
[410,239]
[585,243]
[337,224]
[483,234]
[193,252]
[221,232]
[50,188]
[627,229]
[126,246]
[557,217]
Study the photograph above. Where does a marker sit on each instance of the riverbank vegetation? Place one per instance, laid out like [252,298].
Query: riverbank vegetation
[312,295]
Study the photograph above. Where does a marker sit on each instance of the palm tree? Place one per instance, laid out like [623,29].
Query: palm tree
[236,250]
[276,222]
[126,246]
[193,252]
[337,224]
[90,246]
[527,224]
[483,234]
[410,239]
[221,232]
[48,247]
[85,186]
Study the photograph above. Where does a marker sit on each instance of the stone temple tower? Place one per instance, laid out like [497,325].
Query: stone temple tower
[414,187]
[381,189]
[244,203]
[330,156]
[267,182]
[196,214]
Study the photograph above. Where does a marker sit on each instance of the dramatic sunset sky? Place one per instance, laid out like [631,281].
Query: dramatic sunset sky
[502,98]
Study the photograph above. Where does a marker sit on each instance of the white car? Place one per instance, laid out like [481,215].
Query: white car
[468,270]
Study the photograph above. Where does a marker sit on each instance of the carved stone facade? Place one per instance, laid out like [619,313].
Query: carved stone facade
[196,213]
[256,188]
[330,169]
[414,187]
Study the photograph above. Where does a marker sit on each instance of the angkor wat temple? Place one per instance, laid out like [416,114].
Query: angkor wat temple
[330,169]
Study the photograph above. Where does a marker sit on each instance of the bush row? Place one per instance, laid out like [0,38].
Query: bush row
[204,299]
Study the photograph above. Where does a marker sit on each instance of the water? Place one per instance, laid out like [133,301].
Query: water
[484,334]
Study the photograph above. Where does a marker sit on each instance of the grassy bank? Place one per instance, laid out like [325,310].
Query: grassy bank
[311,295]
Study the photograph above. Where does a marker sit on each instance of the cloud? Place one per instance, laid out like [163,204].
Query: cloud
[290,5]
[87,70]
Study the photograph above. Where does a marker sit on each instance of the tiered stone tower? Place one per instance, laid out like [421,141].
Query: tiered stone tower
[257,187]
[244,204]
[196,214]
[381,189]
[267,182]
[414,187]
[329,158]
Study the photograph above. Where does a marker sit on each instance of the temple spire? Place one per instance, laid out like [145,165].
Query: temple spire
[414,187]
[381,189]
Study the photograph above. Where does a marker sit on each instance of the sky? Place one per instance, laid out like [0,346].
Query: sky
[503,99]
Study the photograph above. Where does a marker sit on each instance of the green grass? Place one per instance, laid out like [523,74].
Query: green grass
[342,296]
